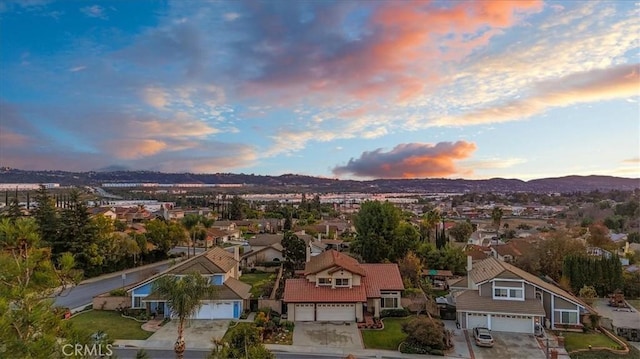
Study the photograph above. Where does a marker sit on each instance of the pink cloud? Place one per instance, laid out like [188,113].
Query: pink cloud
[410,160]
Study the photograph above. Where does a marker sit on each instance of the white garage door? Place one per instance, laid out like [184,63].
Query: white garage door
[512,323]
[336,312]
[476,320]
[304,313]
[215,310]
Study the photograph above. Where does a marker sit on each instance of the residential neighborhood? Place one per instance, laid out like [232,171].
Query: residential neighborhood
[342,283]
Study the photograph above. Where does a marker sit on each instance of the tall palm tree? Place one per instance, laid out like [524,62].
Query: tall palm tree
[184,296]
[496,216]
[431,221]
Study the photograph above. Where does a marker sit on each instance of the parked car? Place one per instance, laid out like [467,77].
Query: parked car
[483,337]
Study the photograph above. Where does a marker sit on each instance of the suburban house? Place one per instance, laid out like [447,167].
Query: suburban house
[502,297]
[217,264]
[511,250]
[103,211]
[270,253]
[229,227]
[336,287]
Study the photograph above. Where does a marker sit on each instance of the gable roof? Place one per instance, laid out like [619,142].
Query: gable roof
[381,276]
[303,291]
[490,268]
[230,289]
[332,258]
[265,239]
[276,246]
[214,261]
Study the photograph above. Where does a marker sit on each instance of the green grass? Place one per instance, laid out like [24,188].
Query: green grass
[574,341]
[604,354]
[254,279]
[634,303]
[388,338]
[111,323]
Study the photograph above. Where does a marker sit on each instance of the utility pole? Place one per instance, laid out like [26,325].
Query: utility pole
[547,347]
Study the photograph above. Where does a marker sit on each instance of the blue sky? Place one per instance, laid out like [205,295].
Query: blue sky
[359,90]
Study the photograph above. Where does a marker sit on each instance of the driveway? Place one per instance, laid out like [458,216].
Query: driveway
[509,345]
[197,334]
[316,334]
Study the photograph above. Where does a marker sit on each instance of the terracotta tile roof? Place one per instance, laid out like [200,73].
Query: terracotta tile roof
[303,291]
[333,258]
[381,276]
[470,301]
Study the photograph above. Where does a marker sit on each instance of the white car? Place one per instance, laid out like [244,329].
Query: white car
[483,337]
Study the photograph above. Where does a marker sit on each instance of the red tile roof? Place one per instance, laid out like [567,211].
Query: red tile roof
[303,291]
[332,258]
[381,276]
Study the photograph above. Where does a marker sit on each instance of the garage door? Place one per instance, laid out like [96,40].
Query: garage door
[304,313]
[476,320]
[215,310]
[336,312]
[512,323]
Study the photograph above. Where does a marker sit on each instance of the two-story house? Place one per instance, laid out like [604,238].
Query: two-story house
[502,297]
[336,287]
[220,267]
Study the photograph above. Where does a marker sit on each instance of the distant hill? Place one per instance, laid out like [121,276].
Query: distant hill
[291,182]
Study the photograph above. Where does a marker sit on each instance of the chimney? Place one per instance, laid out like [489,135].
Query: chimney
[308,258]
[319,237]
[327,230]
[469,263]
[236,256]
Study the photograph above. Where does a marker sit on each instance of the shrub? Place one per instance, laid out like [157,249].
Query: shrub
[425,332]
[119,292]
[400,313]
[287,325]
[269,264]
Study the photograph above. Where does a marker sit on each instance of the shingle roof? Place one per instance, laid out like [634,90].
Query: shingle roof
[303,291]
[381,276]
[491,267]
[470,301]
[333,258]
[230,289]
[221,258]
[276,246]
[265,239]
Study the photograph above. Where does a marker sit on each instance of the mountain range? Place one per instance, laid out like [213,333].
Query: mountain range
[292,182]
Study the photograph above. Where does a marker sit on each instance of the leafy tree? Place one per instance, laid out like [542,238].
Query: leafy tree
[588,294]
[599,236]
[294,250]
[410,267]
[633,237]
[242,342]
[236,208]
[184,297]
[46,216]
[496,217]
[461,231]
[375,224]
[29,325]
[425,332]
[552,251]
[165,235]
[78,235]
[406,238]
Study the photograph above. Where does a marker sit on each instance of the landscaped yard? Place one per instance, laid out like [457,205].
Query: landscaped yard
[255,280]
[111,323]
[574,341]
[388,338]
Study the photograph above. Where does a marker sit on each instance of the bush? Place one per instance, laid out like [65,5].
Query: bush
[287,325]
[269,264]
[425,332]
[120,292]
[396,313]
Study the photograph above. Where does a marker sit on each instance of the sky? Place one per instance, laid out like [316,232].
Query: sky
[338,89]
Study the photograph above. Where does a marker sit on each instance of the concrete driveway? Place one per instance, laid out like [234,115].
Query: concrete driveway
[509,345]
[197,334]
[316,334]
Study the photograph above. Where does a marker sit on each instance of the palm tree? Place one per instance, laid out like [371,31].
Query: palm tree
[184,296]
[431,221]
[496,216]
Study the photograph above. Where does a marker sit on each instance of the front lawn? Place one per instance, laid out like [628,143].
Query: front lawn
[111,323]
[388,338]
[256,281]
[575,341]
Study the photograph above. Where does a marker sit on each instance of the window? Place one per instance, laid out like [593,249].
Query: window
[137,302]
[389,302]
[324,281]
[342,282]
[499,292]
[566,317]
[515,293]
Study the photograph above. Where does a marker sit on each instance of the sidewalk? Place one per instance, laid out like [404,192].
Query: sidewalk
[130,270]
[358,353]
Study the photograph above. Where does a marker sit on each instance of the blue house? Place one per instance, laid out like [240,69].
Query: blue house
[222,270]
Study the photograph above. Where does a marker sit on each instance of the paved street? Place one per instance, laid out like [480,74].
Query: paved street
[129,353]
[81,295]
